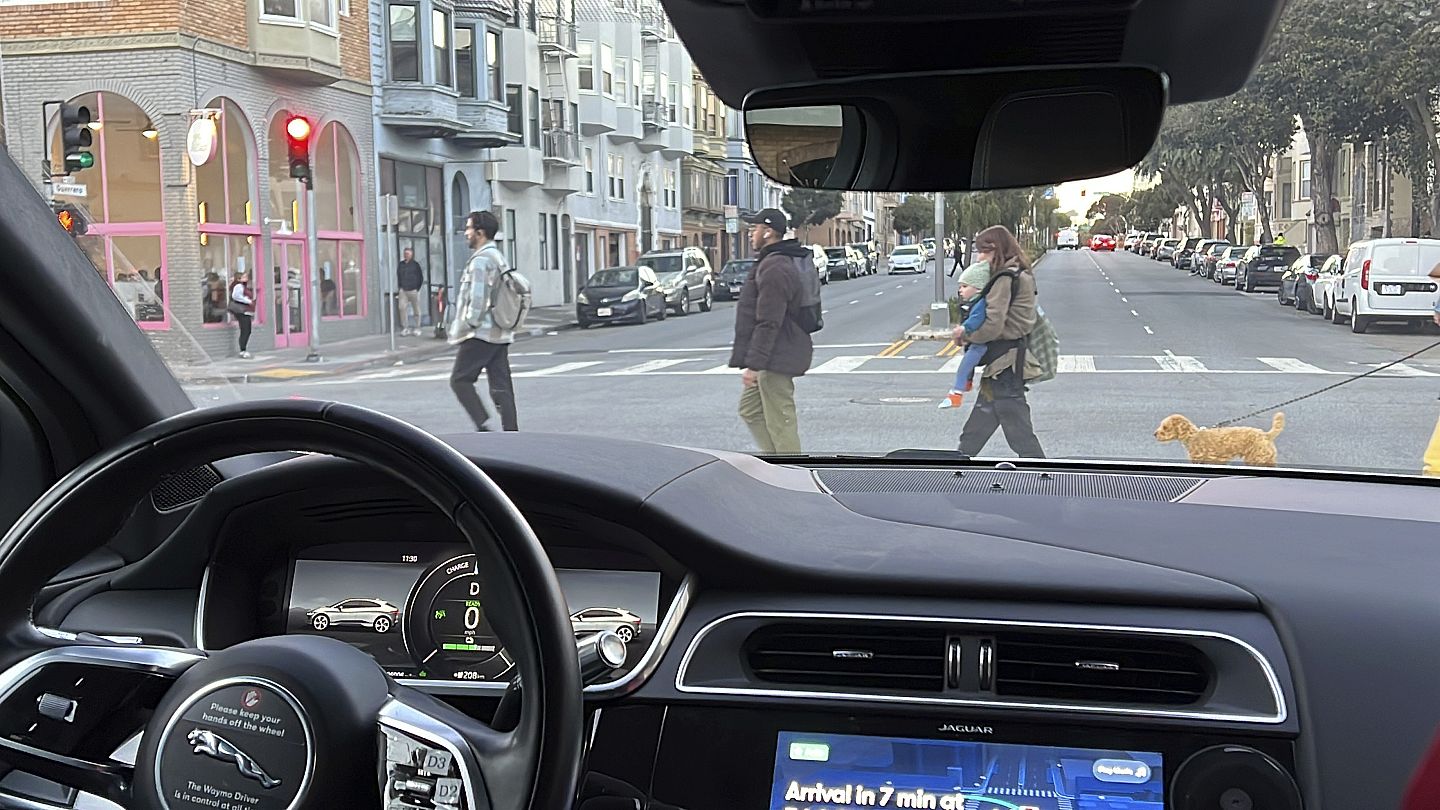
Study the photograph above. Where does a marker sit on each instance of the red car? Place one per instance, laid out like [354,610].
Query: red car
[1102,241]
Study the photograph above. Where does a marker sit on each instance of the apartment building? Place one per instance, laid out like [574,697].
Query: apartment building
[1372,198]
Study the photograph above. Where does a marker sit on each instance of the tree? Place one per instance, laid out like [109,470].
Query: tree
[1404,41]
[811,206]
[1326,51]
[915,215]
[1147,207]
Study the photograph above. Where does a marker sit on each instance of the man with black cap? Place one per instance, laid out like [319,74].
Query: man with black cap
[771,346]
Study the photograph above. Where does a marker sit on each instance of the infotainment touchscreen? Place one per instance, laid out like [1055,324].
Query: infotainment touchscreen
[834,771]
[417,608]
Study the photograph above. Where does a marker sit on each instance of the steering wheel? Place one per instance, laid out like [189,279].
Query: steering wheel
[290,722]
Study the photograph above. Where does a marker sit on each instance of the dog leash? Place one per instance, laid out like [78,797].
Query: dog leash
[1331,387]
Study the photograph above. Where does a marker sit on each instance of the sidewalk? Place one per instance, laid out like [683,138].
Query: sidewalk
[346,356]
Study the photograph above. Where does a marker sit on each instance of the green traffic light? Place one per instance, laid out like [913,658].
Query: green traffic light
[79,160]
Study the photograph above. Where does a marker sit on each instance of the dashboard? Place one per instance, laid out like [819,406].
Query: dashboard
[418,608]
[884,634]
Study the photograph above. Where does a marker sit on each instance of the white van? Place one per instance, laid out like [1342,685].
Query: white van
[1069,239]
[1387,280]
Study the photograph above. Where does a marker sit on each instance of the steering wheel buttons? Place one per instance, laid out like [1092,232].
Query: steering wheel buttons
[418,775]
[59,708]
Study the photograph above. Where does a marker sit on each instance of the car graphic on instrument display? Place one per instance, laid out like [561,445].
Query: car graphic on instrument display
[372,614]
[599,619]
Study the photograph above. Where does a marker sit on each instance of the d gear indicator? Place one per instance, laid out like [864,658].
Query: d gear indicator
[446,628]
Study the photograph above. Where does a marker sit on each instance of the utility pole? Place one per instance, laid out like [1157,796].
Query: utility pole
[939,308]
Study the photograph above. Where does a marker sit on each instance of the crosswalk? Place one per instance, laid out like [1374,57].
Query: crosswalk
[711,361]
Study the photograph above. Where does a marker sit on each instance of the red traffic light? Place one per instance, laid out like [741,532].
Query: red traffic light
[297,128]
[71,219]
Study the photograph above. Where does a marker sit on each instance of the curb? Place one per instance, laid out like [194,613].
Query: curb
[926,333]
[279,374]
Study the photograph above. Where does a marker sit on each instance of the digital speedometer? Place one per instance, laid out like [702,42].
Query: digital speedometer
[446,628]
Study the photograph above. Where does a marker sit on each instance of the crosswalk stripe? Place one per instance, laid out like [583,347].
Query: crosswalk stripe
[952,366]
[1405,370]
[1290,365]
[560,369]
[715,370]
[1170,362]
[648,366]
[1076,364]
[840,365]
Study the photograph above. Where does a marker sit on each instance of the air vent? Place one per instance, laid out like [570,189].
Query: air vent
[853,656]
[180,489]
[929,480]
[1100,668]
[362,510]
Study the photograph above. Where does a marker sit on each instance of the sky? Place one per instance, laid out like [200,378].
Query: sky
[1069,193]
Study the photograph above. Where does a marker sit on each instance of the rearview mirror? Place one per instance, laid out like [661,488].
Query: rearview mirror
[956,130]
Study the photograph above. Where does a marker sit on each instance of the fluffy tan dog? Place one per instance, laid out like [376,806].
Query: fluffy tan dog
[1253,446]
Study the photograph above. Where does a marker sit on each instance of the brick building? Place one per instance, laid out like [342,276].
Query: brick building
[178,209]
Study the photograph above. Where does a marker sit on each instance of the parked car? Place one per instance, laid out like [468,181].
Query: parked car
[1263,265]
[1069,239]
[1226,264]
[1323,288]
[906,259]
[629,293]
[1148,244]
[1102,241]
[1184,251]
[844,262]
[1196,259]
[371,614]
[1132,241]
[732,278]
[1165,250]
[1297,283]
[929,244]
[822,263]
[1386,280]
[1212,255]
[867,252]
[622,622]
[685,276]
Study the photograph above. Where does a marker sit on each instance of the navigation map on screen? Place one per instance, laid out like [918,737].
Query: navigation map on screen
[841,771]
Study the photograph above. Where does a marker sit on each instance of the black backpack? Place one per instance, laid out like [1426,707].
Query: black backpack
[808,314]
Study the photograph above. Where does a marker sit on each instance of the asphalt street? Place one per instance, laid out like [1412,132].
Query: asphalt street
[1139,340]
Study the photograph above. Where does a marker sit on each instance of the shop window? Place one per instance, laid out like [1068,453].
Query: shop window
[121,195]
[338,223]
[229,231]
[404,43]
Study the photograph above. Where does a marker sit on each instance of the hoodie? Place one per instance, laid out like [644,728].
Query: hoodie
[767,338]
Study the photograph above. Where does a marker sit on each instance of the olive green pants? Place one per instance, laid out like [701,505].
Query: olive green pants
[768,408]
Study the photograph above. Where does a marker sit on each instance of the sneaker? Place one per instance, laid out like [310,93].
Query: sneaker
[245,355]
[952,400]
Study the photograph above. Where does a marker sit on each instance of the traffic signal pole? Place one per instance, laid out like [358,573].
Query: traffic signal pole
[307,188]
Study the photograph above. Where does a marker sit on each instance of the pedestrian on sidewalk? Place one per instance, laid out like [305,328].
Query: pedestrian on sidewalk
[410,277]
[242,306]
[1010,315]
[484,345]
[771,345]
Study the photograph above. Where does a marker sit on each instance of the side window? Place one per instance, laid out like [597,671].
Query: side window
[1353,259]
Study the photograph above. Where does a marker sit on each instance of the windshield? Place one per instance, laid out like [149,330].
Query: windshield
[737,268]
[663,265]
[252,285]
[618,277]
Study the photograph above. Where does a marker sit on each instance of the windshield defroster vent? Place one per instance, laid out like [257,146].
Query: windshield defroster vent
[941,481]
[849,655]
[1100,668]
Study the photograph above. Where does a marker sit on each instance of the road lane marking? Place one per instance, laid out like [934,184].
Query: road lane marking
[715,370]
[882,292]
[1291,365]
[952,366]
[1404,370]
[855,301]
[517,354]
[1133,312]
[1171,362]
[840,365]
[948,350]
[1123,298]
[659,349]
[1148,332]
[1076,364]
[894,349]
[649,366]
[563,368]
